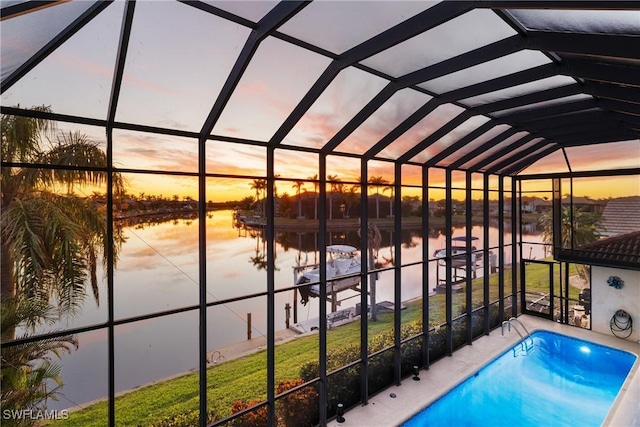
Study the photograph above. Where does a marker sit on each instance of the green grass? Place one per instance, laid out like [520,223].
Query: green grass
[245,378]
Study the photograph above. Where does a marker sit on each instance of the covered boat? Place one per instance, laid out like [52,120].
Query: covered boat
[342,260]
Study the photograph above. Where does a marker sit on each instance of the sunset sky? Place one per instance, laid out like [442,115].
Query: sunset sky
[174,72]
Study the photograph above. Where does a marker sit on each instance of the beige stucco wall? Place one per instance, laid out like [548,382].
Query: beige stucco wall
[606,300]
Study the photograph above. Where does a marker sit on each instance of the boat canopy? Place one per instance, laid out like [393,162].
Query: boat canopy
[341,249]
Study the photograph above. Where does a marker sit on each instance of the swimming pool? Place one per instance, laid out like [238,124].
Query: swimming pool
[559,380]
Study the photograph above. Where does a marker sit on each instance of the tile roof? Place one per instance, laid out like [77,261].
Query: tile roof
[579,200]
[621,216]
[621,250]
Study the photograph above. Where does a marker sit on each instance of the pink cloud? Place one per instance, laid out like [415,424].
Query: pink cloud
[255,88]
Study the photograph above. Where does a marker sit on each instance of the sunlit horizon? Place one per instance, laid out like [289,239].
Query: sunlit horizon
[235,189]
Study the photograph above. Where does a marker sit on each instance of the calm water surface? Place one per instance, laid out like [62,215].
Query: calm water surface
[157,270]
[557,381]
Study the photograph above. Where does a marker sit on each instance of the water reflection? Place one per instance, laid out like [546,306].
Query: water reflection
[159,268]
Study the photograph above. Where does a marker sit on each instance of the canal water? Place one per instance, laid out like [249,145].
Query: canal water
[157,270]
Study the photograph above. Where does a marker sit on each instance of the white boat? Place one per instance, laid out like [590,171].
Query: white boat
[342,260]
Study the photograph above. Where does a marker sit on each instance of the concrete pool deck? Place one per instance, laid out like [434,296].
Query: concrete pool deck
[411,396]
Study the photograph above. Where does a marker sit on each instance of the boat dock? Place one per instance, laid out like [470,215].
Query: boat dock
[341,317]
[253,345]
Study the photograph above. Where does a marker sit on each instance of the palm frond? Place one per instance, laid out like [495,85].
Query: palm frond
[16,313]
[74,150]
[27,369]
[21,136]
[46,244]
[76,158]
[577,227]
[22,235]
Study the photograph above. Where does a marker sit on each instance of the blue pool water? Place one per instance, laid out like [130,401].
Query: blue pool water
[560,381]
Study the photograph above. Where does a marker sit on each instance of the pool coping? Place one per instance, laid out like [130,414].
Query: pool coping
[411,396]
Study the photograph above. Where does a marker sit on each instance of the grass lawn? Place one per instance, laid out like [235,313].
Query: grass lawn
[245,378]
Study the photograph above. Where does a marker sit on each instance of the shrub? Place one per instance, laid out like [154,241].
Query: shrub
[437,343]
[186,419]
[344,386]
[299,408]
[256,418]
[411,355]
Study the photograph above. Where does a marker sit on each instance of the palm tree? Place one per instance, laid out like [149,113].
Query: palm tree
[377,181]
[27,369]
[391,188]
[259,185]
[260,259]
[275,187]
[374,241]
[333,179]
[577,228]
[314,178]
[339,188]
[298,186]
[350,198]
[51,241]
[246,202]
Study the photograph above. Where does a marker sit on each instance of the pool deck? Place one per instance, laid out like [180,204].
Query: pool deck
[411,396]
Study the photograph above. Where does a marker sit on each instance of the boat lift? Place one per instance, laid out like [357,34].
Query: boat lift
[459,265]
[343,273]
